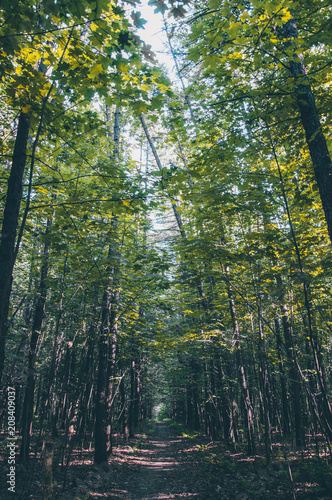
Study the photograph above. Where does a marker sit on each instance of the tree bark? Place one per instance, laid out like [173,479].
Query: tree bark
[36,328]
[315,138]
[160,167]
[108,337]
[131,409]
[102,432]
[9,227]
[249,413]
[283,383]
[295,380]
[47,482]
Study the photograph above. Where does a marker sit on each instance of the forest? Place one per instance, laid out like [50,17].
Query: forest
[165,250]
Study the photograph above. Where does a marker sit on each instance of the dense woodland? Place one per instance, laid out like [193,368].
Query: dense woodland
[166,238]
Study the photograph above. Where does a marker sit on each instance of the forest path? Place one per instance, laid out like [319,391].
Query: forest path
[162,466]
[166,465]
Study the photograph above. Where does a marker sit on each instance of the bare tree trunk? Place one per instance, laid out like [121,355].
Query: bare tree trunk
[47,481]
[248,408]
[283,382]
[264,388]
[36,328]
[87,377]
[9,227]
[108,337]
[315,138]
[102,426]
[160,167]
[131,415]
[295,380]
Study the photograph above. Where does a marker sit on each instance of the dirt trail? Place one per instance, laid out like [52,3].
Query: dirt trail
[169,466]
[161,467]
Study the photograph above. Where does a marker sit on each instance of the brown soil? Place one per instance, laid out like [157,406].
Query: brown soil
[168,466]
[162,466]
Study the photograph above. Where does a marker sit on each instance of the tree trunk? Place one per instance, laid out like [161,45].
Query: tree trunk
[295,380]
[264,388]
[160,167]
[47,482]
[123,411]
[108,337]
[248,409]
[9,227]
[87,377]
[312,126]
[131,416]
[102,429]
[36,328]
[283,384]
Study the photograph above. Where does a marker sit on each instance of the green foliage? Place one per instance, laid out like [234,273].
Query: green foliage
[315,471]
[241,178]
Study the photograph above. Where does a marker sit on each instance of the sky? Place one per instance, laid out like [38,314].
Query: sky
[153,34]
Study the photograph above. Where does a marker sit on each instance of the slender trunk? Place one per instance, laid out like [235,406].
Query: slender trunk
[123,424]
[169,37]
[112,350]
[57,339]
[131,416]
[283,385]
[108,337]
[9,227]
[226,407]
[87,376]
[116,133]
[212,414]
[36,328]
[115,293]
[248,408]
[47,482]
[102,430]
[195,390]
[160,167]
[295,380]
[138,389]
[264,389]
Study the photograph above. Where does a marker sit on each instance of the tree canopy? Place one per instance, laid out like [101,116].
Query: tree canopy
[166,245]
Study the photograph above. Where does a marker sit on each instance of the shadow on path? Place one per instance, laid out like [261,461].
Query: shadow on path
[161,467]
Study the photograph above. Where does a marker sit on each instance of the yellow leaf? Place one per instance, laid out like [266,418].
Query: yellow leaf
[96,70]
[286,16]
[42,190]
[26,109]
[234,28]
[123,67]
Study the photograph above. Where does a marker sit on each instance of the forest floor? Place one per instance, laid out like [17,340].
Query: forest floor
[171,465]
